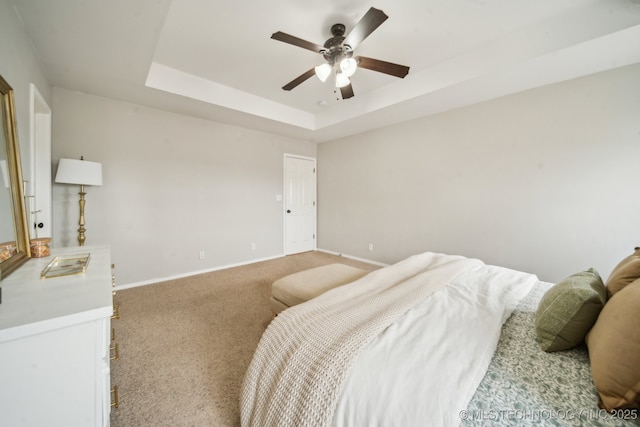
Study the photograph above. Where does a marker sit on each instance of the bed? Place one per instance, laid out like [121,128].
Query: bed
[438,340]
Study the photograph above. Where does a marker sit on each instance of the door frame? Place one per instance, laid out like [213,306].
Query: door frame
[284,199]
[39,195]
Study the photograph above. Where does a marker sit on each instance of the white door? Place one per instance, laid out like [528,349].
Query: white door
[39,195]
[299,204]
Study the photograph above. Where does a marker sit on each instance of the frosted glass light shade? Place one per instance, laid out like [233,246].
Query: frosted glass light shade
[323,71]
[81,172]
[342,80]
[348,66]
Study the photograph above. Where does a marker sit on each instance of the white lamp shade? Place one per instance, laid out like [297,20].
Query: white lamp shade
[342,80]
[82,172]
[348,66]
[323,71]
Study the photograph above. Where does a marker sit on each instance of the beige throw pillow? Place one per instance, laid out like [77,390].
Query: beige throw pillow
[624,273]
[614,350]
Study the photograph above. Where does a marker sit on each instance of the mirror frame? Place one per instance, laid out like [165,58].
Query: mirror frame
[14,170]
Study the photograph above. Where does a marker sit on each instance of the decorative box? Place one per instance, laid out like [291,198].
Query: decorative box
[41,247]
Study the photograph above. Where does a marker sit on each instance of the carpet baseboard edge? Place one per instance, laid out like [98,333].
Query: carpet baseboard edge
[192,273]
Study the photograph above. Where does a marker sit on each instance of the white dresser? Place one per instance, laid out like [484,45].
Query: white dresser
[55,339]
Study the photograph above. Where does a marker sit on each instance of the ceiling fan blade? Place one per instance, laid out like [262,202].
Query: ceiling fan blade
[288,38]
[346,91]
[382,66]
[367,25]
[301,78]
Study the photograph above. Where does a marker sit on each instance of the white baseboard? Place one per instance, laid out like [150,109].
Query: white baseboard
[223,267]
[353,257]
[192,273]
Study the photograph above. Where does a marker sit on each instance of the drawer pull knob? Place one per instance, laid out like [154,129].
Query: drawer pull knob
[114,353]
[116,312]
[114,397]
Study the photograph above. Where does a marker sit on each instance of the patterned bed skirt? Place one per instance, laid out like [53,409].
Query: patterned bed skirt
[526,386]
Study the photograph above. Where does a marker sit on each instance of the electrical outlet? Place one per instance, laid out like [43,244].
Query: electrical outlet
[253,246]
[371,247]
[201,254]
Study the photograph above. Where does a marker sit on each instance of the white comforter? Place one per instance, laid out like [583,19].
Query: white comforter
[424,369]
[421,353]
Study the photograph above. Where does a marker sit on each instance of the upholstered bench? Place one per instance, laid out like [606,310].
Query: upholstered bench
[302,286]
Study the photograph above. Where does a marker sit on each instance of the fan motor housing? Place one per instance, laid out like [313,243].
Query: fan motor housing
[335,50]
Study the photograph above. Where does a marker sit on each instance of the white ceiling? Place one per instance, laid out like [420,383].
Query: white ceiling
[215,59]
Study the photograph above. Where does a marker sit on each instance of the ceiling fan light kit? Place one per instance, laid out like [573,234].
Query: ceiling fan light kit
[323,71]
[348,66]
[342,80]
[338,54]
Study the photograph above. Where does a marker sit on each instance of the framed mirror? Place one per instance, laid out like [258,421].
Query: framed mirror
[14,234]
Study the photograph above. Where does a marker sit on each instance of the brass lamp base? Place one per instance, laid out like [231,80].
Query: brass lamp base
[81,230]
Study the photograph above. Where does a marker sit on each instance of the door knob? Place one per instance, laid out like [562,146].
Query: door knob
[288,210]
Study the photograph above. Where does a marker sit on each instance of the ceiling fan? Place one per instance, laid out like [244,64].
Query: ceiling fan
[338,54]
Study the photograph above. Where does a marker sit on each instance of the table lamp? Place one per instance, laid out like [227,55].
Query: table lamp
[79,172]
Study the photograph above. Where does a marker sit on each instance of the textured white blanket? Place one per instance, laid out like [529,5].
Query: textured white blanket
[300,365]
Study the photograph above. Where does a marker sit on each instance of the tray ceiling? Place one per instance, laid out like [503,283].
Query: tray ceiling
[214,59]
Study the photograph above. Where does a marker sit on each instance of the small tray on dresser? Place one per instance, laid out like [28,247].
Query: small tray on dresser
[65,266]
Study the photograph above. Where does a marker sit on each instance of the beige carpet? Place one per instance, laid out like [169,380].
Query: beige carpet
[185,344]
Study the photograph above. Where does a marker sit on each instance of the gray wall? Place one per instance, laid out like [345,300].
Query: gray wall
[172,186]
[20,67]
[544,181]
